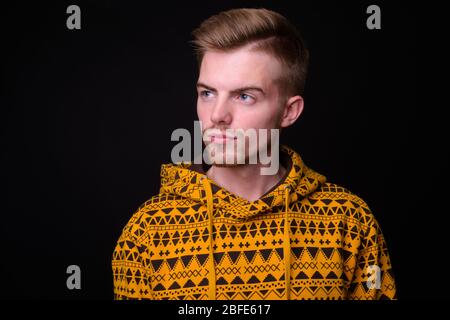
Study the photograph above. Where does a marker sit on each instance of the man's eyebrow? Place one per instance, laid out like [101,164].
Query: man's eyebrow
[201,84]
[248,88]
[238,90]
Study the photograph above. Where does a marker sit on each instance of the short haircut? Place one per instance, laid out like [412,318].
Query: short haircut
[269,31]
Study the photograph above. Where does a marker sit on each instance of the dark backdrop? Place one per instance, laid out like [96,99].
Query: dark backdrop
[86,118]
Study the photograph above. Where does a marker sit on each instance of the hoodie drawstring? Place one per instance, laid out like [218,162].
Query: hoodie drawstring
[287,245]
[286,242]
[211,267]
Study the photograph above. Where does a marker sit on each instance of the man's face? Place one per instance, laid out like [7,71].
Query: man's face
[238,90]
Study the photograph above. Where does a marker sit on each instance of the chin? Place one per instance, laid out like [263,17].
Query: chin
[228,160]
[223,165]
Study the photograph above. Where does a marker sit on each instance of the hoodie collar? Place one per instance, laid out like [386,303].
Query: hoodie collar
[186,180]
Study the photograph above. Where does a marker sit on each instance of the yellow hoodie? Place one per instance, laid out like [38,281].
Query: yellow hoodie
[304,239]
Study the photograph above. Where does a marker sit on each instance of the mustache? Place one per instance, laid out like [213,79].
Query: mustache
[214,132]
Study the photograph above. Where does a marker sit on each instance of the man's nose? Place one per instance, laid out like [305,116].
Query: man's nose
[221,112]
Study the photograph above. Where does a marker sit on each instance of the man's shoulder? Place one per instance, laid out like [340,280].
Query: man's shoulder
[333,200]
[164,203]
[160,206]
[158,210]
[340,194]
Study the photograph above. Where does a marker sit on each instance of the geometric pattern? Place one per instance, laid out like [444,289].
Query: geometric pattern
[304,239]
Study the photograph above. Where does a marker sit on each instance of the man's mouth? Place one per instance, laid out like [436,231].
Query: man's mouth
[221,138]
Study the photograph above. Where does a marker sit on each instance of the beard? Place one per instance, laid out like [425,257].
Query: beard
[241,147]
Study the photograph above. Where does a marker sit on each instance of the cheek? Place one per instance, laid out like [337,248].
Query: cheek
[273,115]
[256,120]
[202,112]
[266,117]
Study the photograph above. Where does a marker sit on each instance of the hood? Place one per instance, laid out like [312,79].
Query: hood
[186,180]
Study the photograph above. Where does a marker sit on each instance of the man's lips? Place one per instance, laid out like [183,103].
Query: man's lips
[221,138]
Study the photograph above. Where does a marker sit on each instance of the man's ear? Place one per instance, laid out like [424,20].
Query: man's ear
[292,110]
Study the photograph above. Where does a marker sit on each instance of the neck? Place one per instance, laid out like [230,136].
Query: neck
[245,181]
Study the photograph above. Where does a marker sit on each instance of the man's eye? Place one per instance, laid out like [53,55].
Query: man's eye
[245,97]
[206,93]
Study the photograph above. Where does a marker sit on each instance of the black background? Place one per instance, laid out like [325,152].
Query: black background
[87,115]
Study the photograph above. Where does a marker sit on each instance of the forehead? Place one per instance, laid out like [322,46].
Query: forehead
[227,70]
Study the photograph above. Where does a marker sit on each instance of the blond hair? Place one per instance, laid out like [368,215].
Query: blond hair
[267,30]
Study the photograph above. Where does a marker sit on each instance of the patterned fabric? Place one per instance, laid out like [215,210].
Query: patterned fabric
[304,239]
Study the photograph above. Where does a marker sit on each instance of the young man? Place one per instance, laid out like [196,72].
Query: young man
[230,232]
